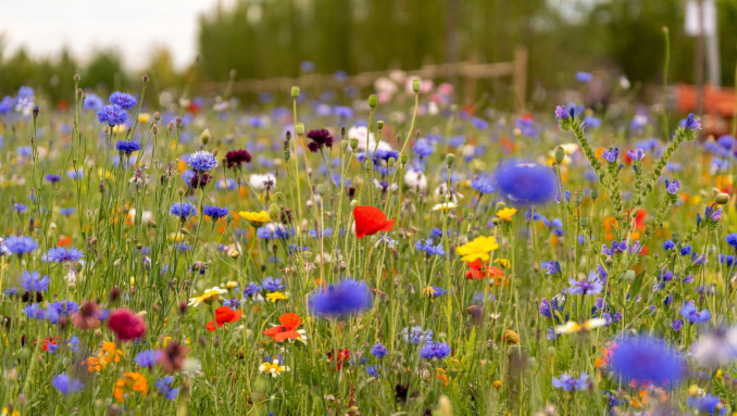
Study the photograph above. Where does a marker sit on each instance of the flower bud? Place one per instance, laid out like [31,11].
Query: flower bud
[416,85]
[373,100]
[721,198]
[320,189]
[675,236]
[354,143]
[380,124]
[578,196]
[560,154]
[403,158]
[295,92]
[594,193]
[144,78]
[584,222]
[354,204]
[299,129]
[157,116]
[205,137]
[450,158]
[391,162]
[344,145]
[77,77]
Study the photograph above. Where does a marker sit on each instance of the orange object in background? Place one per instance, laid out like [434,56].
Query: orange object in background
[719,106]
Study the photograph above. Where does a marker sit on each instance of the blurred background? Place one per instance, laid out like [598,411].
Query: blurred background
[196,46]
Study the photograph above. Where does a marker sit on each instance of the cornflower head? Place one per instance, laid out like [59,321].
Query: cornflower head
[483,185]
[415,335]
[20,245]
[691,314]
[346,298]
[591,286]
[429,249]
[127,147]
[164,386]
[124,100]
[183,210]
[378,350]
[271,284]
[65,385]
[568,383]
[526,183]
[64,255]
[319,139]
[112,115]
[435,350]
[215,212]
[32,282]
[235,158]
[646,360]
[202,161]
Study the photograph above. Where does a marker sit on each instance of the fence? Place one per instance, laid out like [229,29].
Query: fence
[468,71]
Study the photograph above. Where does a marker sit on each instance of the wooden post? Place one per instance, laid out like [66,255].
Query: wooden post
[520,77]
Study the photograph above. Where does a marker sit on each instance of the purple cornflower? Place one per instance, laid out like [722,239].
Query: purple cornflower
[183,210]
[692,315]
[483,185]
[636,155]
[202,161]
[676,325]
[64,255]
[644,359]
[125,101]
[553,267]
[568,383]
[435,350]
[591,286]
[33,282]
[65,385]
[20,245]
[346,298]
[526,183]
[53,178]
[147,358]
[672,187]
[214,212]
[127,146]
[250,289]
[318,139]
[271,284]
[610,155]
[112,115]
[378,351]
[423,148]
[164,386]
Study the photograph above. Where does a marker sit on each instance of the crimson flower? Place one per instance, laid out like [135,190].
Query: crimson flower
[370,220]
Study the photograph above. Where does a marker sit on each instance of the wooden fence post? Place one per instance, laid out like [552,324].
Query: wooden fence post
[520,77]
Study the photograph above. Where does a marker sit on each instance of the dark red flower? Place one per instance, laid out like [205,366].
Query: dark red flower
[235,158]
[370,220]
[126,325]
[319,139]
[200,180]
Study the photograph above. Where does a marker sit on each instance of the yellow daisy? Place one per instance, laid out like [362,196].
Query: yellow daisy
[478,249]
[207,296]
[274,296]
[257,219]
[273,368]
[506,214]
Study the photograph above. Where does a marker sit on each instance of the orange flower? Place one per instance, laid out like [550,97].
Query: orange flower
[480,270]
[110,353]
[93,364]
[64,241]
[131,382]
[442,376]
[288,328]
[224,314]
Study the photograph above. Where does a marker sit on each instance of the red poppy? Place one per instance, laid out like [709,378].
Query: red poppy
[343,356]
[288,328]
[224,314]
[479,270]
[47,342]
[370,220]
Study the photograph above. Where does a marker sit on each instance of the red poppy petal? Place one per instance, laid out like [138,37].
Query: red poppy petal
[236,316]
[210,326]
[290,320]
[287,335]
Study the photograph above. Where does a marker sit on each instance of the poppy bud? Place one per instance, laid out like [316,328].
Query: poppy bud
[450,158]
[354,143]
[578,197]
[675,236]
[584,222]
[380,124]
[373,100]
[299,129]
[295,92]
[560,154]
[205,137]
[416,85]
[367,164]
[320,189]
[354,203]
[403,158]
[594,193]
[721,198]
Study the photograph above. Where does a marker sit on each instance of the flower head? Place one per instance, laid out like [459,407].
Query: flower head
[610,155]
[692,123]
[526,183]
[646,360]
[183,210]
[32,282]
[479,248]
[370,220]
[126,325]
[506,214]
[318,139]
[290,322]
[235,158]
[127,146]
[591,286]
[125,101]
[435,350]
[273,368]
[64,255]
[164,386]
[568,383]
[672,187]
[65,384]
[223,315]
[207,296]
[202,161]
[215,212]
[691,314]
[345,298]
[256,219]
[20,245]
[112,115]
[129,383]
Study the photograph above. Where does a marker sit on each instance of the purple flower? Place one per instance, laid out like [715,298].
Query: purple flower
[346,298]
[636,155]
[33,282]
[672,187]
[692,123]
[691,314]
[561,112]
[568,383]
[164,386]
[183,210]
[20,245]
[676,325]
[125,101]
[708,404]
[591,286]
[147,358]
[202,161]
[65,385]
[127,146]
[552,267]
[526,183]
[378,350]
[616,248]
[64,255]
[644,359]
[584,77]
[112,115]
[423,148]
[215,212]
[610,155]
[437,350]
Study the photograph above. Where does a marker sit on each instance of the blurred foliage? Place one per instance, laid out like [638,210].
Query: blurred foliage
[269,38]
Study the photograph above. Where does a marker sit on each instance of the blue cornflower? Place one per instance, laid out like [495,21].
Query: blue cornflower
[416,335]
[347,297]
[645,359]
[378,350]
[686,250]
[610,155]
[568,383]
[676,325]
[20,245]
[61,309]
[93,102]
[591,286]
[34,311]
[435,350]
[526,183]
[708,404]
[669,245]
[19,208]
[147,358]
[550,308]
[373,371]
[214,212]
[125,101]
[202,161]
[731,240]
[164,386]
[479,123]
[437,291]
[271,284]
[483,185]
[552,267]
[692,123]
[52,178]
[636,155]
[672,187]
[33,282]
[64,255]
[65,385]
[72,343]
[127,146]
[183,210]
[428,247]
[423,148]
[617,247]
[691,314]
[112,115]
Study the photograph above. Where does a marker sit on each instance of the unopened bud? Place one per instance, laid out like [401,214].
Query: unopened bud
[354,204]
[144,78]
[299,129]
[450,158]
[416,85]
[354,143]
[594,193]
[295,92]
[721,198]
[403,158]
[373,100]
[380,124]
[560,154]
[205,136]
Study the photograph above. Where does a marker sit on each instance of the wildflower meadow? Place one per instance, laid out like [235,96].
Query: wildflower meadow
[398,255]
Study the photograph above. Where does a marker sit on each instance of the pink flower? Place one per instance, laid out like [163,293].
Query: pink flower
[126,325]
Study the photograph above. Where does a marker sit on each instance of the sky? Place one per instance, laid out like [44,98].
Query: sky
[133,27]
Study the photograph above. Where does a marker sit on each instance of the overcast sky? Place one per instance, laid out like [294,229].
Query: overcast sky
[132,26]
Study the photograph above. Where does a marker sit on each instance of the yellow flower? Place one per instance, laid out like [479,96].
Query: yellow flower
[503,262]
[506,214]
[478,249]
[573,326]
[446,206]
[273,368]
[497,384]
[144,117]
[429,291]
[274,296]
[131,382]
[176,237]
[208,296]
[230,285]
[257,219]
[7,412]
